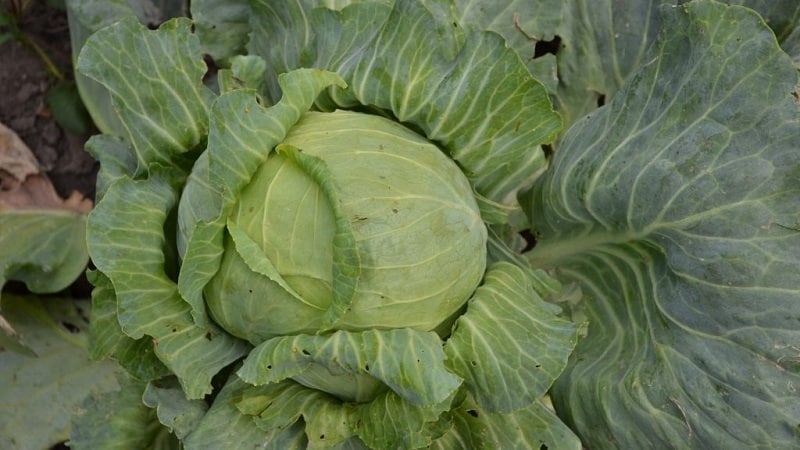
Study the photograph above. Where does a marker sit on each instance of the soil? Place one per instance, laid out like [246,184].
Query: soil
[24,83]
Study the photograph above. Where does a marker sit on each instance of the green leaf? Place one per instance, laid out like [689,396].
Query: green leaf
[409,362]
[65,103]
[227,166]
[246,72]
[106,339]
[674,208]
[118,420]
[39,393]
[43,248]
[165,111]
[782,16]
[524,24]
[467,93]
[126,240]
[510,345]
[84,18]
[173,409]
[225,426]
[232,162]
[117,160]
[222,27]
[535,426]
[279,407]
[390,421]
[346,259]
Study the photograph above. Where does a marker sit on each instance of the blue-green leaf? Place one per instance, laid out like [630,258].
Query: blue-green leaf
[675,208]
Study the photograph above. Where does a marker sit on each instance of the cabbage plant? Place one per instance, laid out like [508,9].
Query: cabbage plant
[321,244]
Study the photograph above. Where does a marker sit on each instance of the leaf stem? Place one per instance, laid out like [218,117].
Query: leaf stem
[49,67]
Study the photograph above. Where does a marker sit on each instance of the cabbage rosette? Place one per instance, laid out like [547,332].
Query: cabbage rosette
[307,254]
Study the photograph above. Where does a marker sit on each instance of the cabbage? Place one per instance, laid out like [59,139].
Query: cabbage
[404,246]
[371,229]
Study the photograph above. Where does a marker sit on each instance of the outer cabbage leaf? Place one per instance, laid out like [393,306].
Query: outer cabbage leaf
[118,420]
[509,345]
[165,111]
[222,27]
[39,393]
[467,92]
[173,409]
[126,244]
[44,248]
[676,210]
[409,362]
[225,426]
[166,115]
[88,16]
[536,426]
[587,49]
[106,338]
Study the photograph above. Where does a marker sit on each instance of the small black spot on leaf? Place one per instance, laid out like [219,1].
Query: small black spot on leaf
[472,412]
[72,328]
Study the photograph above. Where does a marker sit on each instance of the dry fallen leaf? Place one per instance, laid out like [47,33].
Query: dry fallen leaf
[22,186]
[16,159]
[37,192]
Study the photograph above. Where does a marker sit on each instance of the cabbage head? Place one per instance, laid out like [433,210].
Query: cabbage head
[358,223]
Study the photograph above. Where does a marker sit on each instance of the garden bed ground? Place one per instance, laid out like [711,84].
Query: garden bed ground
[24,83]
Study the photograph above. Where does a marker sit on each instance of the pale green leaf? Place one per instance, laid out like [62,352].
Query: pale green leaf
[409,362]
[225,426]
[535,426]
[346,259]
[126,241]
[471,94]
[510,345]
[106,339]
[243,132]
[675,209]
[165,112]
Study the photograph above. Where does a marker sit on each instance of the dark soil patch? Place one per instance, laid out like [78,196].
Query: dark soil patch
[24,83]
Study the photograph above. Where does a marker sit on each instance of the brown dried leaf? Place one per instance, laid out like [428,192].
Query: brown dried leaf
[22,186]
[37,192]
[16,159]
